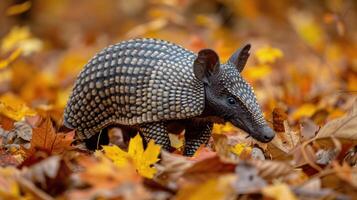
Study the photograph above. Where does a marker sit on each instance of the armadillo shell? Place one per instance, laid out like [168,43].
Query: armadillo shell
[134,82]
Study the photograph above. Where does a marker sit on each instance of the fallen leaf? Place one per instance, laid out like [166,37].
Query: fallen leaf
[346,173]
[238,149]
[18,8]
[344,127]
[7,159]
[21,38]
[102,173]
[172,167]
[208,168]
[248,180]
[208,190]
[279,116]
[223,128]
[279,192]
[9,188]
[13,107]
[286,141]
[51,175]
[13,56]
[307,28]
[268,54]
[307,110]
[45,137]
[257,72]
[142,159]
[269,169]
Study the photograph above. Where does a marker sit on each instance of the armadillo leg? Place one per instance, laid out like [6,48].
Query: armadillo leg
[158,132]
[195,136]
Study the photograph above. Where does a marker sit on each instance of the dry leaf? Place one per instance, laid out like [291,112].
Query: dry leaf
[208,168]
[172,167]
[248,180]
[13,56]
[44,137]
[279,116]
[9,188]
[240,148]
[279,192]
[19,8]
[344,127]
[142,159]
[14,108]
[268,54]
[39,172]
[208,190]
[20,38]
[272,169]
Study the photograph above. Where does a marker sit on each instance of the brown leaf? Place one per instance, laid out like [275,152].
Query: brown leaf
[171,167]
[6,123]
[248,180]
[346,173]
[272,169]
[344,127]
[6,159]
[308,129]
[279,116]
[208,168]
[45,137]
[284,142]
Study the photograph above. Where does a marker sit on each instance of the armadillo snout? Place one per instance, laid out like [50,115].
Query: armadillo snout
[266,134]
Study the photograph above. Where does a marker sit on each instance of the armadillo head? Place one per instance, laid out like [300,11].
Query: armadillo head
[228,96]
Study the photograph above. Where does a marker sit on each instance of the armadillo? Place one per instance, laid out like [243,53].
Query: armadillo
[147,84]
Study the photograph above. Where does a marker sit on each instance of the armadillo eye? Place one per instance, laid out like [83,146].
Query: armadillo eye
[231,100]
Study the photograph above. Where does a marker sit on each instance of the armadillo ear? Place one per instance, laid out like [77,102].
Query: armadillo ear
[240,57]
[206,64]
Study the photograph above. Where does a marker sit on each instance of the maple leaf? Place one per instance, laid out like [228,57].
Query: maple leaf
[142,159]
[118,156]
[223,128]
[239,148]
[13,107]
[45,137]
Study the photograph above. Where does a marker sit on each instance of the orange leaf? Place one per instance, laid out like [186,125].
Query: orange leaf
[45,137]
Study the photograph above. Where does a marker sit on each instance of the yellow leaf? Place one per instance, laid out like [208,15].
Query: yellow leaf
[307,28]
[136,146]
[279,192]
[9,189]
[268,54]
[208,190]
[257,72]
[240,147]
[223,128]
[13,56]
[142,159]
[20,37]
[18,8]
[118,156]
[176,141]
[306,110]
[62,98]
[13,107]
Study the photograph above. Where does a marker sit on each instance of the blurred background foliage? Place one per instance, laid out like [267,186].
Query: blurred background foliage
[304,56]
